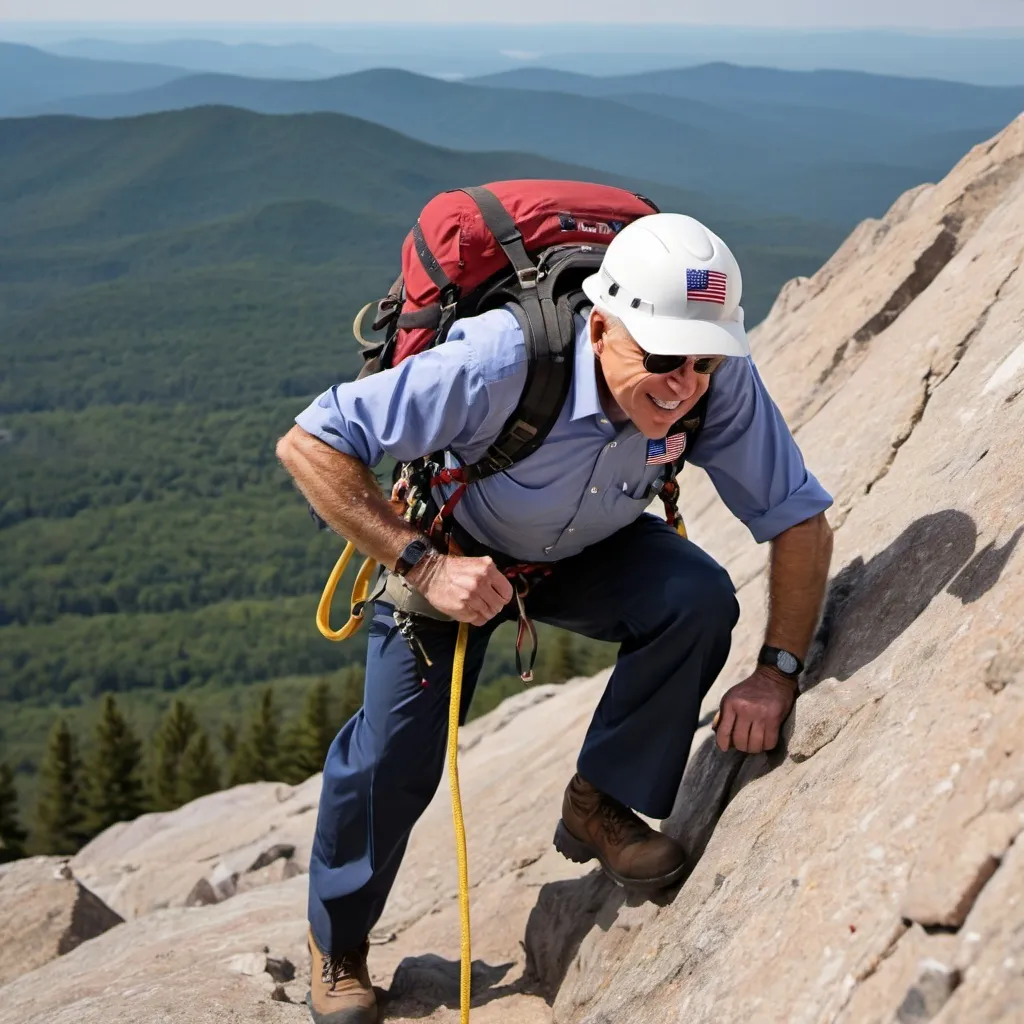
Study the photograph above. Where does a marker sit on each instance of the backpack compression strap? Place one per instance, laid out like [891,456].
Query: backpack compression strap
[441,316]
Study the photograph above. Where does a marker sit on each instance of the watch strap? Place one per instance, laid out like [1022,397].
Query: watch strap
[781,660]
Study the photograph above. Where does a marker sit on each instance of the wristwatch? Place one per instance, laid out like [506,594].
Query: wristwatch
[783,661]
[413,552]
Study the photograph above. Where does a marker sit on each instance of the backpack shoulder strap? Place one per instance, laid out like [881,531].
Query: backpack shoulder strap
[550,346]
[550,351]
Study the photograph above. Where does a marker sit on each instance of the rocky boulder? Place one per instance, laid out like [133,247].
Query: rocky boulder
[45,913]
[203,852]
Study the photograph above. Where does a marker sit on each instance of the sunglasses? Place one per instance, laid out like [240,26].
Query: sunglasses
[669,364]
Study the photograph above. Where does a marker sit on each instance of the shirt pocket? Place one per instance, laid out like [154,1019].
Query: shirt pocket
[649,486]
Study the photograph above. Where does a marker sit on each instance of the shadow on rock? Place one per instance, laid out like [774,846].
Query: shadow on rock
[984,570]
[563,915]
[423,984]
[869,605]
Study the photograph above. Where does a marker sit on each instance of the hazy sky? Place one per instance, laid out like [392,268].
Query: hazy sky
[912,14]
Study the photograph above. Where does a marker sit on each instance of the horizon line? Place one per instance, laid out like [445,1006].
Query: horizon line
[972,32]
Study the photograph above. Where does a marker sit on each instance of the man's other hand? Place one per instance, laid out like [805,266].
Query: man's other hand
[752,712]
[468,589]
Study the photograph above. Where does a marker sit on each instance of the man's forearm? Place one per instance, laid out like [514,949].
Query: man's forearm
[346,496]
[800,562]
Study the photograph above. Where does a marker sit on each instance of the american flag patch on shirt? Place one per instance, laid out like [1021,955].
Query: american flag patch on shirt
[665,449]
[706,286]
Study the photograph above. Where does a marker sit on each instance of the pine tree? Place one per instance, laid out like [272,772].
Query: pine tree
[59,827]
[198,771]
[256,757]
[564,662]
[171,740]
[229,738]
[242,768]
[309,736]
[114,788]
[12,835]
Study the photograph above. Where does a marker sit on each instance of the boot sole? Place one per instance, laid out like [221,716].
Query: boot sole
[359,1015]
[581,853]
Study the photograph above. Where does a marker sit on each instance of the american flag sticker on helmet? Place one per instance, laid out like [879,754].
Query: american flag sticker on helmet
[665,449]
[706,286]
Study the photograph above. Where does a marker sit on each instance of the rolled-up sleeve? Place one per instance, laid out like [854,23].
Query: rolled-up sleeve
[749,453]
[445,397]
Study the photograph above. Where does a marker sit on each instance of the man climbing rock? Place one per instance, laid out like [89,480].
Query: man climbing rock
[567,528]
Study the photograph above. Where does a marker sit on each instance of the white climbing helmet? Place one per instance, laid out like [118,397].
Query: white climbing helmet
[675,285]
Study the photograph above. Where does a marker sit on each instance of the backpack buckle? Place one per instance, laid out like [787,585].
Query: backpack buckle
[497,461]
[528,276]
[448,300]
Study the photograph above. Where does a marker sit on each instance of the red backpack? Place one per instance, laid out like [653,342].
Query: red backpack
[526,245]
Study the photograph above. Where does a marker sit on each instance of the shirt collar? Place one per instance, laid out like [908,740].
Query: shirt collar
[585,399]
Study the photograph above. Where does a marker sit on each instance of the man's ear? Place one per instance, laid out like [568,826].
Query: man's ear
[598,331]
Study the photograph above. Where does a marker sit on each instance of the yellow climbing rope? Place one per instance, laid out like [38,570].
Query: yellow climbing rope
[454,705]
[360,591]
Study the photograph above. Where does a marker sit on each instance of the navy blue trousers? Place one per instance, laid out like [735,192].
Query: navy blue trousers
[669,606]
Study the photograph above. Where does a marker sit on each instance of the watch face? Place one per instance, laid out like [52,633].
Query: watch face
[410,557]
[786,662]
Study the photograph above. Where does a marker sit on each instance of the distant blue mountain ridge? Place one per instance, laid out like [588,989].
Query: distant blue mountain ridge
[984,57]
[828,146]
[29,77]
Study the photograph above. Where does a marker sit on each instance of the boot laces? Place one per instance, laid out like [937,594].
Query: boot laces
[619,823]
[340,965]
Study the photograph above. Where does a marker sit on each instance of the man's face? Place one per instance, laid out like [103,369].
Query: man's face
[652,401]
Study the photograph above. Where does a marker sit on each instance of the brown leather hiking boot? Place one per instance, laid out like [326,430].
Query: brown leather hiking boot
[340,991]
[630,851]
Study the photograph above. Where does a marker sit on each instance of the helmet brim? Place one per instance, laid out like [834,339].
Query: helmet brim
[670,336]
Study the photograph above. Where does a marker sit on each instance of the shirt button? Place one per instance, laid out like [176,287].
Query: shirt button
[572,529]
[594,490]
[614,444]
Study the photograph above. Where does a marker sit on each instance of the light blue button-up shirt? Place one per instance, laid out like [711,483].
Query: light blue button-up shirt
[590,477]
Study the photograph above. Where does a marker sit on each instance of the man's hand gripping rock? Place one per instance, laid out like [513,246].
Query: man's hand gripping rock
[751,714]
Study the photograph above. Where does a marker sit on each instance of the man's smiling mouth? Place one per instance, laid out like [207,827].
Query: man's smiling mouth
[668,406]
